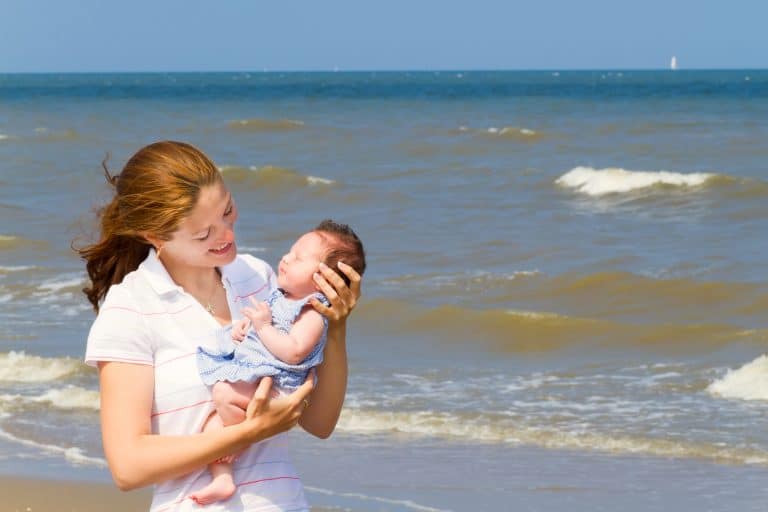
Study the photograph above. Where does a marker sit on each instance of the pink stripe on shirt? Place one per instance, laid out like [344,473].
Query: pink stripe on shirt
[181,408]
[238,485]
[238,297]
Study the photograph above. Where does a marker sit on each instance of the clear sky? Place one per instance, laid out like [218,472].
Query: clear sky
[192,35]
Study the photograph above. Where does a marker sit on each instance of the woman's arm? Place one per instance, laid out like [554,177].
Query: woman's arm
[137,457]
[321,416]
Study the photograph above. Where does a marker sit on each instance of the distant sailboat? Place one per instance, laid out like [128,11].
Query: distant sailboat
[673,63]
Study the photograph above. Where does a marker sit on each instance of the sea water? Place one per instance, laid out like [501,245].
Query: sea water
[566,295]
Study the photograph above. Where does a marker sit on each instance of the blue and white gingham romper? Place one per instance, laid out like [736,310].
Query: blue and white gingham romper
[250,360]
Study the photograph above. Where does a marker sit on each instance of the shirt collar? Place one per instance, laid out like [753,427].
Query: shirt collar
[155,272]
[159,278]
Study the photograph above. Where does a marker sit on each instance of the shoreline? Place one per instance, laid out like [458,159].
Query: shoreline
[23,494]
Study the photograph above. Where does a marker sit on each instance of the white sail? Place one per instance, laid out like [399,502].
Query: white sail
[673,63]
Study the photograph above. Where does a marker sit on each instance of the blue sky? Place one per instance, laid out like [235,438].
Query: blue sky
[191,35]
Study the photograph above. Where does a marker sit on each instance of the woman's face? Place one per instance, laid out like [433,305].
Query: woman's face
[206,238]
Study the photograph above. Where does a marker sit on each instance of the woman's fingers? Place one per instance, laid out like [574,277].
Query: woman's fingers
[343,298]
[260,397]
[329,282]
[284,412]
[321,308]
[354,280]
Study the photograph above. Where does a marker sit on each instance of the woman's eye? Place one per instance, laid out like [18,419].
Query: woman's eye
[229,210]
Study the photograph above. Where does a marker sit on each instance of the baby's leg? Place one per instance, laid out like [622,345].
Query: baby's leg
[222,485]
[231,400]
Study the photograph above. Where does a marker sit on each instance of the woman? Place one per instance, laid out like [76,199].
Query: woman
[165,275]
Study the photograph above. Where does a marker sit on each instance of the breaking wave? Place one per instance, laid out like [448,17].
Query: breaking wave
[599,182]
[750,382]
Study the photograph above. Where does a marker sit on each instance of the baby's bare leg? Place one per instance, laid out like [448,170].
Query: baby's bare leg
[222,484]
[231,399]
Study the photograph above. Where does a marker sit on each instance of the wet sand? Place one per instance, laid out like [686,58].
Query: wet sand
[32,495]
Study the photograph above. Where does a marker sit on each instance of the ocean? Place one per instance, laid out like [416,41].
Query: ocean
[565,304]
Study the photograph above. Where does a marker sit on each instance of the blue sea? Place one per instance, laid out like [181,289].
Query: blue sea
[565,306]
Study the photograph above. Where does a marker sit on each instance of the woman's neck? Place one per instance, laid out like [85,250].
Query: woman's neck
[194,280]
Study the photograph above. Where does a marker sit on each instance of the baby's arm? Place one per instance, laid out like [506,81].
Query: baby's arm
[293,347]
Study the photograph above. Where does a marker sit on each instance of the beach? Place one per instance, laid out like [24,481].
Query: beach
[33,495]
[565,299]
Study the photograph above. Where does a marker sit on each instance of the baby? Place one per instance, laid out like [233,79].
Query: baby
[283,338]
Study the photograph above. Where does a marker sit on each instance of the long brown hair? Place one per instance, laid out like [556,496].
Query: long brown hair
[158,187]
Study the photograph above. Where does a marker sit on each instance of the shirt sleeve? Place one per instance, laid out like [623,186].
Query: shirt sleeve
[119,332]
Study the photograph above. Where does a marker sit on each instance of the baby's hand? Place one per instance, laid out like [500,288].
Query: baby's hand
[259,315]
[239,329]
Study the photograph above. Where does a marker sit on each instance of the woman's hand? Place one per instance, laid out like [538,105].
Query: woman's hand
[343,298]
[321,417]
[267,416]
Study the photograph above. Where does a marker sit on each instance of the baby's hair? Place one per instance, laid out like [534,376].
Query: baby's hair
[344,246]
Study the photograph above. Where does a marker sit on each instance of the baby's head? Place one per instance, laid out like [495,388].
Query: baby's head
[330,243]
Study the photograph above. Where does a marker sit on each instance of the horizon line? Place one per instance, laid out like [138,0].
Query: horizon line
[383,70]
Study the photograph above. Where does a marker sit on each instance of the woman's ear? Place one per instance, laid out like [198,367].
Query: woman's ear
[154,241]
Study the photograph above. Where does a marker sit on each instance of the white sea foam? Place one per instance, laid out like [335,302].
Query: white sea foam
[72,454]
[750,382]
[506,130]
[598,182]
[62,283]
[315,180]
[4,137]
[577,437]
[20,367]
[70,397]
[18,268]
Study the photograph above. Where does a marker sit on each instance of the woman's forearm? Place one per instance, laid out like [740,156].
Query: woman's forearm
[137,457]
[321,416]
[150,459]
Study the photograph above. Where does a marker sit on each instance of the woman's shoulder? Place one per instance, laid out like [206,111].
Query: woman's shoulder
[133,292]
[247,266]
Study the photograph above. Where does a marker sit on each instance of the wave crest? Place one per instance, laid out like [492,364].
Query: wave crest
[513,331]
[265,125]
[750,382]
[272,176]
[599,182]
[486,428]
[20,367]
[505,132]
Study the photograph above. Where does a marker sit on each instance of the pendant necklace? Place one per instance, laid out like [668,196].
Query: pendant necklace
[209,307]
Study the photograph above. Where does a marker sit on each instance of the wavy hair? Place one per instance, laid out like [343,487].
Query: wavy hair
[158,187]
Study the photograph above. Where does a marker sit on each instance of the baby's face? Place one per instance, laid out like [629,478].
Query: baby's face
[296,268]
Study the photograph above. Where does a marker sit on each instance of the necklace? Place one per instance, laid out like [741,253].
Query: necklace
[209,307]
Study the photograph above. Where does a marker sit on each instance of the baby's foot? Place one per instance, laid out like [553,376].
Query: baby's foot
[221,488]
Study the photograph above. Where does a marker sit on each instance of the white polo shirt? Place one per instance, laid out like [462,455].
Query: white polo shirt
[149,319]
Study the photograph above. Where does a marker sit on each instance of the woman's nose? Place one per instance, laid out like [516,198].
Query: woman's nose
[229,234]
